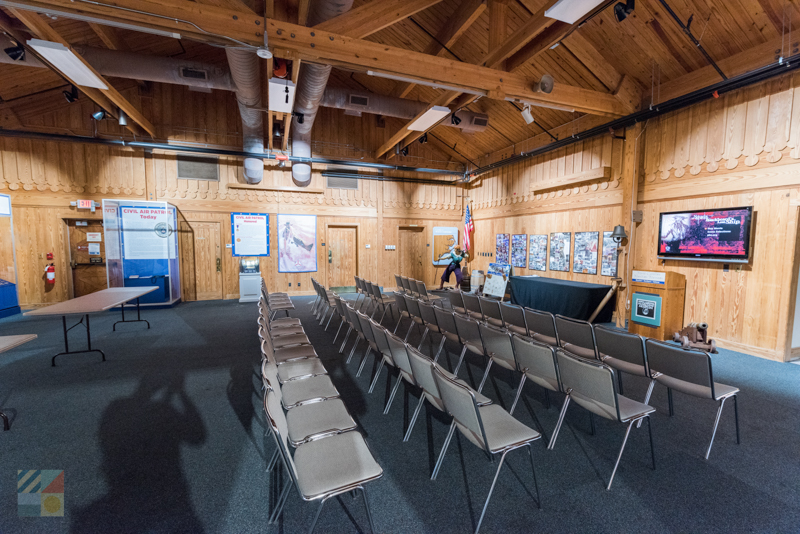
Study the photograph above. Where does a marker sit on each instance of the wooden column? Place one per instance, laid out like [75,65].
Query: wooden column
[632,158]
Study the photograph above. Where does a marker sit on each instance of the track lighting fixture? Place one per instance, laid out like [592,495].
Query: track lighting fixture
[423,139]
[17,53]
[454,119]
[404,151]
[622,10]
[71,95]
[527,115]
[263,51]
[123,119]
[99,115]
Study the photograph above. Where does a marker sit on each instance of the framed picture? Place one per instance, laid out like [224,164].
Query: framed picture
[297,243]
[586,245]
[445,240]
[559,251]
[537,255]
[501,248]
[519,251]
[608,261]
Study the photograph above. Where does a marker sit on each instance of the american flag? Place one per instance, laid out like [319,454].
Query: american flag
[468,228]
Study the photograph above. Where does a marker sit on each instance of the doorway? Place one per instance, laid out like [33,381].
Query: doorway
[342,256]
[412,251]
[201,260]
[87,253]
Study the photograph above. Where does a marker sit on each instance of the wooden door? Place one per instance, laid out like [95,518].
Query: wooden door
[202,250]
[342,255]
[87,253]
[412,253]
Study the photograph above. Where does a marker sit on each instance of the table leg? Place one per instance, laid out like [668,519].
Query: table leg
[138,316]
[66,340]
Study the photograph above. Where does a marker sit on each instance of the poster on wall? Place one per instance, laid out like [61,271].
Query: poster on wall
[111,228]
[501,248]
[608,262]
[147,232]
[586,245]
[559,251]
[444,241]
[297,243]
[250,234]
[519,252]
[537,256]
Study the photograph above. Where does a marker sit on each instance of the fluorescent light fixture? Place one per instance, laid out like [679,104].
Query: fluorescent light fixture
[86,18]
[68,63]
[429,118]
[571,11]
[426,83]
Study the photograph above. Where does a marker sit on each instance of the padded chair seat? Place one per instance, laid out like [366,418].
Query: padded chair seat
[450,336]
[495,322]
[545,382]
[502,430]
[294,353]
[300,369]
[696,390]
[504,363]
[309,420]
[472,347]
[475,315]
[547,340]
[622,365]
[521,330]
[333,463]
[631,409]
[280,342]
[280,306]
[314,389]
[460,310]
[284,321]
[579,351]
[277,331]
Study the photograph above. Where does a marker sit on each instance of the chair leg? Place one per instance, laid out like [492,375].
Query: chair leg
[394,392]
[560,422]
[377,375]
[460,360]
[353,350]
[519,392]
[341,324]
[316,516]
[671,408]
[619,456]
[546,399]
[647,399]
[485,374]
[329,321]
[369,514]
[405,339]
[364,361]
[400,320]
[716,423]
[591,422]
[652,450]
[444,450]
[385,307]
[736,413]
[619,381]
[439,351]
[323,315]
[535,483]
[346,337]
[272,461]
[414,417]
[281,501]
[491,490]
[421,341]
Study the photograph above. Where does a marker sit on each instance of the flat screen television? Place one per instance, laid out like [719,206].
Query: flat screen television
[706,235]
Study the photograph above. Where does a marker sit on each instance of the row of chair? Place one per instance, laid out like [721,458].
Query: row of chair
[304,410]
[415,288]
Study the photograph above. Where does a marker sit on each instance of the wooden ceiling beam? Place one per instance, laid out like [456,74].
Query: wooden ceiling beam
[541,43]
[373,17]
[448,150]
[302,11]
[109,36]
[524,34]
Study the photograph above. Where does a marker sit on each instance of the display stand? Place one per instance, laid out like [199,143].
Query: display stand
[142,248]
[249,280]
[9,300]
[657,301]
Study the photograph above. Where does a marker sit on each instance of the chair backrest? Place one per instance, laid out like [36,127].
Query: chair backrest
[398,282]
[497,344]
[412,287]
[354,321]
[445,321]
[540,322]
[368,288]
[379,335]
[456,301]
[537,360]
[468,330]
[366,329]
[423,374]
[692,366]
[400,301]
[405,285]
[491,311]
[376,291]
[577,333]
[359,284]
[472,303]
[428,314]
[621,345]
[422,291]
[339,306]
[459,401]
[280,429]
[513,315]
[412,305]
[591,384]
[400,354]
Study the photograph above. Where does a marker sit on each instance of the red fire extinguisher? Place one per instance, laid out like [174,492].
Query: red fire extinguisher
[50,271]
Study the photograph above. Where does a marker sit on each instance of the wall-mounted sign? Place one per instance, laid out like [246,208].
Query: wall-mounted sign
[646,309]
[94,236]
[649,277]
[94,249]
[250,234]
[85,204]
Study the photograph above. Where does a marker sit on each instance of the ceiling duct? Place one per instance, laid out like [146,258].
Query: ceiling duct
[246,74]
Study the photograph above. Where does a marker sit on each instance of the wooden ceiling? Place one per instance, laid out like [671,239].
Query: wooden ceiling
[648,49]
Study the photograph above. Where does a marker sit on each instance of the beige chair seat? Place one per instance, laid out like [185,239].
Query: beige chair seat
[631,409]
[314,389]
[292,339]
[285,330]
[547,340]
[697,390]
[517,329]
[284,321]
[579,351]
[294,353]
[494,322]
[625,367]
[310,420]
[334,463]
[502,430]
[298,369]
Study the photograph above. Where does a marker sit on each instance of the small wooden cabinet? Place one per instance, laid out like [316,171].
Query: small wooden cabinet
[657,302]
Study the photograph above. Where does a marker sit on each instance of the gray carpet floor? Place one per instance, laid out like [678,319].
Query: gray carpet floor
[167,436]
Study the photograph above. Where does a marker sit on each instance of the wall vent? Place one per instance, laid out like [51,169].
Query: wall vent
[341,182]
[359,100]
[480,121]
[198,168]
[194,74]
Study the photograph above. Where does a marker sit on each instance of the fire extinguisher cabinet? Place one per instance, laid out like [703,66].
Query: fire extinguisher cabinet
[9,300]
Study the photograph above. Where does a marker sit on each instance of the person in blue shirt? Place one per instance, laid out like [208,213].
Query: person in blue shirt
[457,255]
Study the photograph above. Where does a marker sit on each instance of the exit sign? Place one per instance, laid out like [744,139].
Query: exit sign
[85,204]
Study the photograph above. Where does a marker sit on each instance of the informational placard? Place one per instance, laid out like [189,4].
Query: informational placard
[649,277]
[145,233]
[500,268]
[5,206]
[646,309]
[94,236]
[94,249]
[445,239]
[250,234]
[111,227]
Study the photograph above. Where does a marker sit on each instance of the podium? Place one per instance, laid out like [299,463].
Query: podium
[657,302]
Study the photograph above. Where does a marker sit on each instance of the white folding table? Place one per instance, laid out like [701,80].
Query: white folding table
[8,343]
[97,302]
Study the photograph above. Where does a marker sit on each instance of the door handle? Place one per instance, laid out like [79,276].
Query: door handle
[219,265]
[330,256]
[73,264]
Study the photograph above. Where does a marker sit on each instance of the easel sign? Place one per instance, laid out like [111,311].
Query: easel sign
[497,279]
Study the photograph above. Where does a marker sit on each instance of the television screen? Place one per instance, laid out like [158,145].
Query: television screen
[709,235]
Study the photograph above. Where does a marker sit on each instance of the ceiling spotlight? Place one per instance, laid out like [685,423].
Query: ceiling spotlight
[423,139]
[17,53]
[263,51]
[621,11]
[404,151]
[71,95]
[527,115]
[454,119]
[123,120]
[99,115]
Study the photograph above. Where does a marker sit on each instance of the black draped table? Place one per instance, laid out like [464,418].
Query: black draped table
[564,297]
